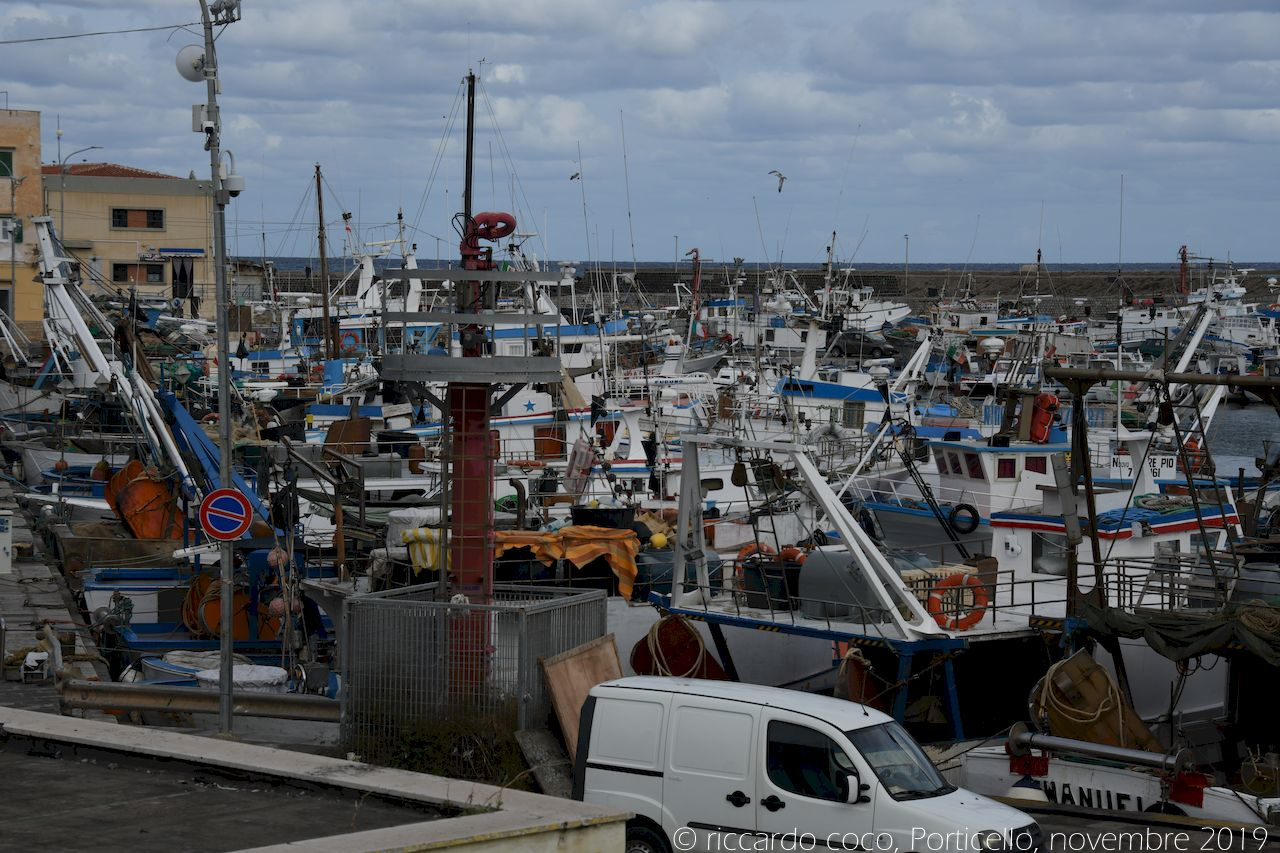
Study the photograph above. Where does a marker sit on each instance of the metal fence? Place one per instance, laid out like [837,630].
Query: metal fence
[412,660]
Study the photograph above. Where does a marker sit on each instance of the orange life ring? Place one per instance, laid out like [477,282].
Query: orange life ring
[754,548]
[792,554]
[962,620]
[348,336]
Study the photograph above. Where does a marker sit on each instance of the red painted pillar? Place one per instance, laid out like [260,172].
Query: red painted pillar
[471,467]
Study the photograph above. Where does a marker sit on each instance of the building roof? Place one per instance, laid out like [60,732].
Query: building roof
[103,170]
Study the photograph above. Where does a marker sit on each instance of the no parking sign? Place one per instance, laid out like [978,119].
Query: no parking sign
[225,514]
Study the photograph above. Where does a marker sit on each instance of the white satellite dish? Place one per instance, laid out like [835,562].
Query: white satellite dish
[190,62]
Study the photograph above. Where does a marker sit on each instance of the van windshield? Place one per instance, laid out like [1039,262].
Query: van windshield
[898,762]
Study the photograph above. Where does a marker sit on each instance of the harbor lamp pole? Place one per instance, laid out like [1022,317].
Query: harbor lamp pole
[62,186]
[906,260]
[195,68]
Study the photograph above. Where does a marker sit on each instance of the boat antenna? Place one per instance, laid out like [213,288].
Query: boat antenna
[760,229]
[626,181]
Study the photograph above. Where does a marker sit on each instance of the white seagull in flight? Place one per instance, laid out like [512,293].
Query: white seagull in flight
[781,178]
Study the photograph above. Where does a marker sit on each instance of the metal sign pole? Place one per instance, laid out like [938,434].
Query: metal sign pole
[212,129]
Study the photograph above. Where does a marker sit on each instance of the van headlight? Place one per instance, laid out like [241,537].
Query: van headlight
[989,840]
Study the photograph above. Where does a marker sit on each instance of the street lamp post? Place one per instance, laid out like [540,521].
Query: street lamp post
[62,186]
[222,186]
[906,260]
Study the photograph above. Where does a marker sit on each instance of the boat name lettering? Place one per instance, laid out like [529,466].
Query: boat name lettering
[1094,798]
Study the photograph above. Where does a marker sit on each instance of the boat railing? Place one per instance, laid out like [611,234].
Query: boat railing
[1189,583]
[885,489]
[997,601]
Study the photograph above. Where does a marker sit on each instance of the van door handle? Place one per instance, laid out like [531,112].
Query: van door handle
[772,803]
[738,798]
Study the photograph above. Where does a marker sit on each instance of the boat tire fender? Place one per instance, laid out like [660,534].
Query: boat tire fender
[963,519]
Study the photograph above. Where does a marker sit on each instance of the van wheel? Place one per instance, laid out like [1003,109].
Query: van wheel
[837,352]
[876,352]
[645,839]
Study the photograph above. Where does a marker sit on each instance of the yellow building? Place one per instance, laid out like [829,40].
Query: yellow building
[139,231]
[21,297]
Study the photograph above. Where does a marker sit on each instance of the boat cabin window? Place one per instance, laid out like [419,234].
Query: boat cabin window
[571,348]
[1038,464]
[975,466]
[954,460]
[1049,553]
[260,366]
[854,414]
[1007,468]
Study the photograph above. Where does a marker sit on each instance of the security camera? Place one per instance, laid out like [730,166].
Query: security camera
[233,184]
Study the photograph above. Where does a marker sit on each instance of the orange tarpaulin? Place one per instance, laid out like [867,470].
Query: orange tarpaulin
[546,547]
[583,543]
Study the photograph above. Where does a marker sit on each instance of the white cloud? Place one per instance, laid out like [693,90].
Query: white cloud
[911,117]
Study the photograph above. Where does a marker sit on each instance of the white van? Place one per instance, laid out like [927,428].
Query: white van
[714,765]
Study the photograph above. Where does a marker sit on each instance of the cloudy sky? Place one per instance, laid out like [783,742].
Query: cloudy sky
[1099,130]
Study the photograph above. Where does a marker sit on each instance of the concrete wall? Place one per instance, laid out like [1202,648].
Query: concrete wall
[90,236]
[20,133]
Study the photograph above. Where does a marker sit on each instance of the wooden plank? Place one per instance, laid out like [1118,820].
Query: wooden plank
[551,768]
[571,675]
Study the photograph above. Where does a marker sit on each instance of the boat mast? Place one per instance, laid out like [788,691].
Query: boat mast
[471,463]
[324,270]
[695,292]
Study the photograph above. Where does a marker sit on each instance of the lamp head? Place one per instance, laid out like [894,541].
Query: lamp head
[190,62]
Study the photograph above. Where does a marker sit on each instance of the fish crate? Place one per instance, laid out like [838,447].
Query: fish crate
[922,582]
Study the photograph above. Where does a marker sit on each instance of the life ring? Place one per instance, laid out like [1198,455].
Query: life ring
[962,620]
[211,417]
[968,526]
[349,340]
[754,548]
[526,464]
[792,554]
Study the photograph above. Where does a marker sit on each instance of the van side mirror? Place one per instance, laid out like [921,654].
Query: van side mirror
[851,789]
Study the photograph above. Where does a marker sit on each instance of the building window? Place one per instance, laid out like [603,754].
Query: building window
[975,466]
[6,162]
[1038,464]
[137,218]
[137,273]
[1007,468]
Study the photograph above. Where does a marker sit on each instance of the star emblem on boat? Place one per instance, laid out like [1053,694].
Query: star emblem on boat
[528,406]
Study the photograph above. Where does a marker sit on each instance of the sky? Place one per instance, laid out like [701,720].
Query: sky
[930,131]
